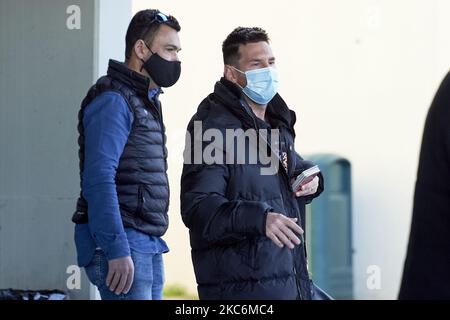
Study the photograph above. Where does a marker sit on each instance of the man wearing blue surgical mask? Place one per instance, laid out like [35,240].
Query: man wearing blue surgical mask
[246,228]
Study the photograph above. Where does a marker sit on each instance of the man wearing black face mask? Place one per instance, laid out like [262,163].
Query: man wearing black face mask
[122,209]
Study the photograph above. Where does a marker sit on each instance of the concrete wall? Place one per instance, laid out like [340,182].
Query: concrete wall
[45,70]
[359,73]
[45,67]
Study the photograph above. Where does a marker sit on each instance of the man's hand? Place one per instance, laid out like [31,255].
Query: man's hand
[281,230]
[120,275]
[309,188]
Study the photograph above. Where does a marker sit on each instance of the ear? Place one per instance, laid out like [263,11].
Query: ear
[230,74]
[140,49]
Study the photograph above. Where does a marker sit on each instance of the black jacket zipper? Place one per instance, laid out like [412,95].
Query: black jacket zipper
[285,174]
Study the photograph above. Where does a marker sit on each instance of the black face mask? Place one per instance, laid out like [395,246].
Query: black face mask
[165,73]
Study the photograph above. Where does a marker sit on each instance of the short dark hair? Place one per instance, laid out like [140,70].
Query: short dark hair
[143,26]
[241,35]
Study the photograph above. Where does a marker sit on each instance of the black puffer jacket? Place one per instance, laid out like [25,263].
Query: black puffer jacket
[225,208]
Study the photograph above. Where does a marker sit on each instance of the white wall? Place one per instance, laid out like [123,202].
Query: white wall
[359,73]
[113,19]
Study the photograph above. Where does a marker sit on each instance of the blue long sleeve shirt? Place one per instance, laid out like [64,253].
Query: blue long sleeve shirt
[107,122]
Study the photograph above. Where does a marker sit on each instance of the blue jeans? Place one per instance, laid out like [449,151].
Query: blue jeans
[148,276]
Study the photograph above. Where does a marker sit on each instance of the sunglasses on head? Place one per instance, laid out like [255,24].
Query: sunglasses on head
[159,18]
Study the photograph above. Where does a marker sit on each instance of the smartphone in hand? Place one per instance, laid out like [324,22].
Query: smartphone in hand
[305,177]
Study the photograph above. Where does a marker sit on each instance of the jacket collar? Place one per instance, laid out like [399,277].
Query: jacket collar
[277,111]
[131,78]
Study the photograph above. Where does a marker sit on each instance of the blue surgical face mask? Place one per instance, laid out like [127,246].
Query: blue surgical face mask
[262,84]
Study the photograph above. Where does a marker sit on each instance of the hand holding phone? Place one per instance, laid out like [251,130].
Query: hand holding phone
[305,177]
